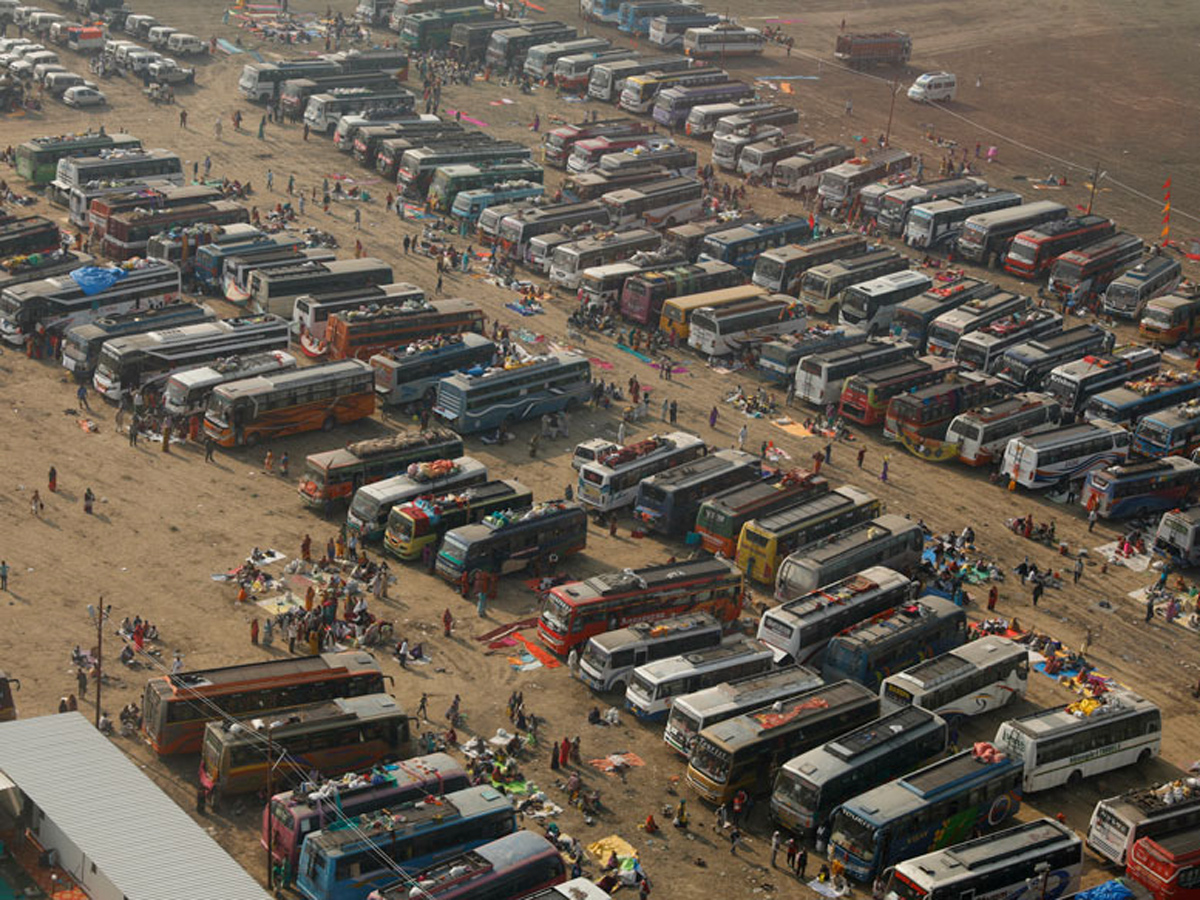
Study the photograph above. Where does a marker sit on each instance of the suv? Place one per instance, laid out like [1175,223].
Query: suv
[167,71]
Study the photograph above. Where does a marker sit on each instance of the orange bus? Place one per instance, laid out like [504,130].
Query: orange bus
[360,334]
[281,403]
[175,708]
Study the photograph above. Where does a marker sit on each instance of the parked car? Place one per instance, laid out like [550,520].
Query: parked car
[140,60]
[82,95]
[57,83]
[167,71]
[41,70]
[159,35]
[186,44]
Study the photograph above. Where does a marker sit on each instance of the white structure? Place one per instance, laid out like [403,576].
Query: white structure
[109,825]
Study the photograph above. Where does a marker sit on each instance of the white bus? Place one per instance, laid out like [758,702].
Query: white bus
[721,40]
[672,201]
[983,433]
[984,350]
[59,302]
[930,225]
[612,480]
[999,866]
[1056,457]
[114,165]
[692,713]
[799,629]
[889,540]
[187,391]
[607,80]
[1062,746]
[730,329]
[80,197]
[819,377]
[654,685]
[809,787]
[372,503]
[802,172]
[872,304]
[1152,277]
[702,120]
[609,659]
[1119,822]
[944,332]
[311,313]
[324,110]
[967,681]
[570,259]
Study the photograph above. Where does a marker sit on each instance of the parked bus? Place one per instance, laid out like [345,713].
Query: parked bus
[410,373]
[559,143]
[892,541]
[520,865]
[702,120]
[798,630]
[140,200]
[518,229]
[654,684]
[1054,458]
[176,707]
[274,290]
[362,333]
[612,480]
[839,185]
[635,18]
[469,205]
[186,391]
[780,269]
[336,474]
[821,377]
[579,610]
[1169,432]
[778,359]
[1126,295]
[449,181]
[608,659]
[128,234]
[1073,384]
[1135,399]
[677,312]
[766,541]
[291,816]
[925,412]
[665,203]
[897,202]
[871,305]
[978,677]
[800,174]
[741,245]
[324,110]
[676,160]
[721,516]
[912,319]
[117,165]
[667,31]
[262,80]
[721,40]
[1057,746]
[419,164]
[643,294]
[891,641]
[1168,320]
[425,521]
[939,223]
[692,713]
[731,329]
[603,284]
[79,199]
[672,105]
[237,268]
[469,40]
[347,858]
[822,285]
[866,397]
[510,540]
[983,434]
[344,734]
[689,239]
[1148,813]
[571,258]
[507,47]
[431,30]
[745,752]
[294,93]
[81,343]
[1042,853]
[1085,272]
[1178,536]
[640,92]
[945,331]
[37,159]
[1027,364]
[985,236]
[761,157]
[985,349]
[1033,251]
[272,406]
[128,363]
[934,807]
[667,502]
[60,302]
[1168,866]
[372,503]
[607,80]
[311,314]
[809,787]
[501,396]
[541,58]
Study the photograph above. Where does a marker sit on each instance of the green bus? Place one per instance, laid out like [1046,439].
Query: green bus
[431,30]
[449,181]
[37,159]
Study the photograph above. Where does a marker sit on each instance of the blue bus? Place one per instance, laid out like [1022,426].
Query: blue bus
[209,268]
[934,807]
[741,246]
[520,389]
[1168,432]
[353,856]
[634,18]
[1133,490]
[469,205]
[1126,404]
[410,373]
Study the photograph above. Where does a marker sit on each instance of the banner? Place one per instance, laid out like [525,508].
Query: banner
[928,449]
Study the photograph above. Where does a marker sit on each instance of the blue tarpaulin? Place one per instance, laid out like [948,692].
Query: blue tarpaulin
[1110,890]
[94,279]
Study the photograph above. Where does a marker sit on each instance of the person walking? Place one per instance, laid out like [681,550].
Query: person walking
[883,474]
[735,836]
[209,447]
[801,863]
[254,632]
[666,408]
[82,396]
[1078,572]
[1092,516]
[775,842]
[81,681]
[423,707]
[52,480]
[262,128]
[447,622]
[1150,608]
[183,119]
[358,218]
[36,505]
[790,858]
[743,433]
[993,596]
[270,180]
[218,128]
[1037,591]
[712,418]
[862,454]
[4,574]
[674,412]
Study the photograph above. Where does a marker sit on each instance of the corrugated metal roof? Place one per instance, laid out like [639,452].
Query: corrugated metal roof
[135,834]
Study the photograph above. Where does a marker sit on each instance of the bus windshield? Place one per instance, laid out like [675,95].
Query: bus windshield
[557,613]
[1023,251]
[218,408]
[801,793]
[711,761]
[595,655]
[771,269]
[855,835]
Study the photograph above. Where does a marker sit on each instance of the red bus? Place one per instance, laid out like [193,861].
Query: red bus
[1033,252]
[642,295]
[865,397]
[360,334]
[129,233]
[578,610]
[721,517]
[1168,866]
[928,411]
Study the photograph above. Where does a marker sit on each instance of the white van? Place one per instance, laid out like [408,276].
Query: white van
[40,22]
[41,70]
[41,57]
[124,48]
[185,44]
[139,60]
[159,35]
[58,82]
[933,86]
[139,24]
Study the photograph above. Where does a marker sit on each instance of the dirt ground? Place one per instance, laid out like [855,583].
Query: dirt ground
[164,523]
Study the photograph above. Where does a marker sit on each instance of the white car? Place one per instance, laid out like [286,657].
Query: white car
[41,70]
[83,96]
[10,45]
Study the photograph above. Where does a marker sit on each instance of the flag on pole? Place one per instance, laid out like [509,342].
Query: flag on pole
[1167,185]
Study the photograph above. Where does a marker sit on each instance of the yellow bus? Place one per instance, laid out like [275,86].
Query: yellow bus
[677,312]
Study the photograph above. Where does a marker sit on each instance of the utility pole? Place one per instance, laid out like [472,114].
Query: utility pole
[270,817]
[100,617]
[1096,176]
[887,137]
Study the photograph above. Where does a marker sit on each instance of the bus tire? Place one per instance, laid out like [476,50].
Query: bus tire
[1074,778]
[618,688]
[252,439]
[1144,755]
[329,423]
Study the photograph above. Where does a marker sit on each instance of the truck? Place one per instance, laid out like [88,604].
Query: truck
[885,48]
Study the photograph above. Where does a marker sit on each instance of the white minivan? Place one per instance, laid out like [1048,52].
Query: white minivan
[933,86]
[186,44]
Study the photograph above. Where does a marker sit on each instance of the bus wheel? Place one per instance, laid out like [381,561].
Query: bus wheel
[328,424]
[252,439]
[1074,778]
[618,688]
[1144,755]
[573,404]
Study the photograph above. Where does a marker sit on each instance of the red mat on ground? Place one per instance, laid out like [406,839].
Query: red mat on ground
[505,630]
[542,655]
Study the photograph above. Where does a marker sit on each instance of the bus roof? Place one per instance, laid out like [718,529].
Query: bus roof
[752,691]
[509,520]
[401,484]
[665,669]
[1155,799]
[700,470]
[287,721]
[628,580]
[879,735]
[932,780]
[690,302]
[272,670]
[463,381]
[1008,406]
[753,726]
[261,384]
[1068,433]
[857,537]
[641,632]
[396,443]
[1015,213]
[1060,720]
[745,498]
[843,496]
[1149,467]
[995,850]
[953,663]
[884,629]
